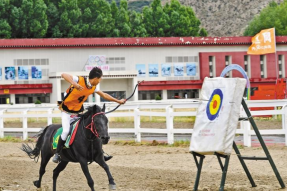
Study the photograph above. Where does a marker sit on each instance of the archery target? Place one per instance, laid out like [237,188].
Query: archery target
[214,104]
[217,115]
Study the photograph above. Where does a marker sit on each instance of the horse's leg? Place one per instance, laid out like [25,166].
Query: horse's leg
[85,169]
[61,166]
[100,160]
[44,161]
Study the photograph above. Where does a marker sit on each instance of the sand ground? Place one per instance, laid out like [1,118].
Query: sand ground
[144,168]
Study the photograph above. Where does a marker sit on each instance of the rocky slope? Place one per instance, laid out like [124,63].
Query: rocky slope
[225,17]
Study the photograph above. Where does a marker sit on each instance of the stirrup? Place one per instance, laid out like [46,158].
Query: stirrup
[108,157]
[56,158]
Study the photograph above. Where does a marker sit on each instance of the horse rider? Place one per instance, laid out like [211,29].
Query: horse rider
[79,90]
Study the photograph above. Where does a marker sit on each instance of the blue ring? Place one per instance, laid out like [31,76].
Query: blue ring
[209,115]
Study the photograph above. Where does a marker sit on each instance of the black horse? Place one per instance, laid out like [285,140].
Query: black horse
[86,148]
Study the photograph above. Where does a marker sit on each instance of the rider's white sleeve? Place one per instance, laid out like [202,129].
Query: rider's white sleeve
[75,79]
[97,89]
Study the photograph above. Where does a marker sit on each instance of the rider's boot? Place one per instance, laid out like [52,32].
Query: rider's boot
[107,157]
[60,145]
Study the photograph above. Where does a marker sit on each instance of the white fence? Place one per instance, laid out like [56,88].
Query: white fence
[138,109]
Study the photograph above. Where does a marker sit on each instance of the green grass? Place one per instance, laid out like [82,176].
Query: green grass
[15,139]
[181,143]
[154,119]
[240,146]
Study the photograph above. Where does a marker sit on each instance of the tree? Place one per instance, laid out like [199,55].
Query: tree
[5,28]
[183,21]
[122,21]
[155,19]
[273,16]
[114,9]
[28,19]
[69,22]
[53,18]
[203,32]
[96,20]
[138,29]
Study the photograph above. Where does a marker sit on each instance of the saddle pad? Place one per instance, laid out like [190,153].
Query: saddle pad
[70,138]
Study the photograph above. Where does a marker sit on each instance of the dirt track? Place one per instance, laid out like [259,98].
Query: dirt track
[143,168]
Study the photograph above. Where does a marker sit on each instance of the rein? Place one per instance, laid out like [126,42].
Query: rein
[126,98]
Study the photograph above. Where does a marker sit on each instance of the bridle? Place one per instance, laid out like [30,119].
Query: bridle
[92,124]
[93,129]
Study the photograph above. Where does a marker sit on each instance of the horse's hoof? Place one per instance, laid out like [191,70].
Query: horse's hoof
[36,183]
[112,187]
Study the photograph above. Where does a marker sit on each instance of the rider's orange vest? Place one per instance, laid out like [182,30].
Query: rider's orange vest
[73,101]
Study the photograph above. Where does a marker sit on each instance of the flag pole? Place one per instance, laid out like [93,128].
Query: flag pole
[276,59]
[276,63]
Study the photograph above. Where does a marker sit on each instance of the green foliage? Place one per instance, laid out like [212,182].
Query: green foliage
[38,102]
[28,19]
[96,18]
[138,29]
[157,97]
[156,21]
[122,20]
[53,19]
[69,18]
[5,28]
[203,32]
[272,16]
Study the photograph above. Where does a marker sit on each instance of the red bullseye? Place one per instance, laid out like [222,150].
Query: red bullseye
[214,104]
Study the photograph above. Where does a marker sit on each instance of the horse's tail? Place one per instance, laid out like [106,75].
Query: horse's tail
[34,153]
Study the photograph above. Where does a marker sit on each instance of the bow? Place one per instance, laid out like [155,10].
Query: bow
[126,98]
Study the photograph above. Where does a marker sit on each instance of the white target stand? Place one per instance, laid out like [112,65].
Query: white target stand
[216,123]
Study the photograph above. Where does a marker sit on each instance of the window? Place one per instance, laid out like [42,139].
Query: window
[3,99]
[247,65]
[227,63]
[116,63]
[31,98]
[212,66]
[149,95]
[281,63]
[182,94]
[115,94]
[263,66]
[181,59]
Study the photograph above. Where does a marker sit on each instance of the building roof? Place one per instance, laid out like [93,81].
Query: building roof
[126,42]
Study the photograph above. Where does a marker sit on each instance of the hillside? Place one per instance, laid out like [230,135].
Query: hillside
[219,17]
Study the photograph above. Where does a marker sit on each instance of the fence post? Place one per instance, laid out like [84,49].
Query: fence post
[169,125]
[284,118]
[1,124]
[137,121]
[25,125]
[49,121]
[246,128]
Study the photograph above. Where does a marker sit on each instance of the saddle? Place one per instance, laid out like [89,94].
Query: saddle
[73,130]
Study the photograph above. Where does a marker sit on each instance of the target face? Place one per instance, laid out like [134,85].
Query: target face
[214,104]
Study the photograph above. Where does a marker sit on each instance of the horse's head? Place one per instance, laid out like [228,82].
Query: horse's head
[100,123]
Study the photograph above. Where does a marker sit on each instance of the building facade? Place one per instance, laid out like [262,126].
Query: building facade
[170,67]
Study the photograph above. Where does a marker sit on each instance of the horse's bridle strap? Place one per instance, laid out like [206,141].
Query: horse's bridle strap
[94,130]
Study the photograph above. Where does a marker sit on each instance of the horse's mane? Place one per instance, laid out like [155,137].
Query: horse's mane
[90,111]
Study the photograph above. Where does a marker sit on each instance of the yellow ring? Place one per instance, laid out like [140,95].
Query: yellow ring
[212,110]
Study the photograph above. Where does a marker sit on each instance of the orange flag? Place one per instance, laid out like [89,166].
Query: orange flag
[263,42]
